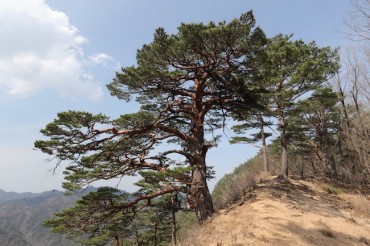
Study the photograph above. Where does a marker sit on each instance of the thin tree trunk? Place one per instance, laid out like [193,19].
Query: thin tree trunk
[313,169]
[284,159]
[155,233]
[116,241]
[174,230]
[266,167]
[344,108]
[302,166]
[333,166]
[136,233]
[284,147]
[339,134]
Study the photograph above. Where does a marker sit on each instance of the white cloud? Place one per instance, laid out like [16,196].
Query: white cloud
[40,50]
[100,58]
[104,60]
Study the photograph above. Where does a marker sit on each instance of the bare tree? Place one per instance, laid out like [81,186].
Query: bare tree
[359,20]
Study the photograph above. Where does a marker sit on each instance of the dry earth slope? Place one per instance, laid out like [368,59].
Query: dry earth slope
[295,213]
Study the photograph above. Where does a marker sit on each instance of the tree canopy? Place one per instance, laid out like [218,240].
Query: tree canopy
[187,84]
[290,70]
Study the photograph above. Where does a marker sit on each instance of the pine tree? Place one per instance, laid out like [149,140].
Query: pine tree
[96,220]
[187,84]
[253,121]
[318,119]
[290,70]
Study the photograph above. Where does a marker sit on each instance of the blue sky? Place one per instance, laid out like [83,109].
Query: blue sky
[57,55]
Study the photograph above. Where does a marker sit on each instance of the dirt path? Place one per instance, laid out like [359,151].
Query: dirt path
[292,213]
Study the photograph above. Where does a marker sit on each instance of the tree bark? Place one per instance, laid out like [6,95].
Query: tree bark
[155,236]
[302,166]
[284,147]
[200,196]
[116,241]
[199,193]
[313,168]
[266,167]
[174,229]
[333,167]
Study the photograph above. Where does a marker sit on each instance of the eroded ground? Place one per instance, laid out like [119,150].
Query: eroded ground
[291,213]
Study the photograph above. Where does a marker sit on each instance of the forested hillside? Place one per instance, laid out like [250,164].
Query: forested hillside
[22,215]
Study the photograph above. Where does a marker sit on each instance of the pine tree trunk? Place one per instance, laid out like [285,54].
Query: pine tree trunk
[266,167]
[200,195]
[155,236]
[284,147]
[116,241]
[302,166]
[333,166]
[174,241]
[313,168]
[137,241]
[264,147]
[284,159]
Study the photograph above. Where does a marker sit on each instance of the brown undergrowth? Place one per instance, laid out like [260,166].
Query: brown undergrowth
[294,212]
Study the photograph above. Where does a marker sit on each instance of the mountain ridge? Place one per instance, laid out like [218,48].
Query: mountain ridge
[11,195]
[22,214]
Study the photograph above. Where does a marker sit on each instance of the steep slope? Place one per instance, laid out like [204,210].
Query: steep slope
[291,213]
[12,237]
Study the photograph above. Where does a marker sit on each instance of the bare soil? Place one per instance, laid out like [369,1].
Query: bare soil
[294,212]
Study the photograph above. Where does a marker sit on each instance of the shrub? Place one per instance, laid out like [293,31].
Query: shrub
[333,190]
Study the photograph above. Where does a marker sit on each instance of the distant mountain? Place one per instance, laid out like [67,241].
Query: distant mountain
[13,238]
[6,196]
[21,216]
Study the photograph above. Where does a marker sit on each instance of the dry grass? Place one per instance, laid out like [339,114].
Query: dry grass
[235,186]
[361,204]
[233,190]
[187,237]
[295,213]
[365,241]
[262,176]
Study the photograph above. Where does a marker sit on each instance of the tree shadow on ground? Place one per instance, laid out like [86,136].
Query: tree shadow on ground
[302,197]
[320,235]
